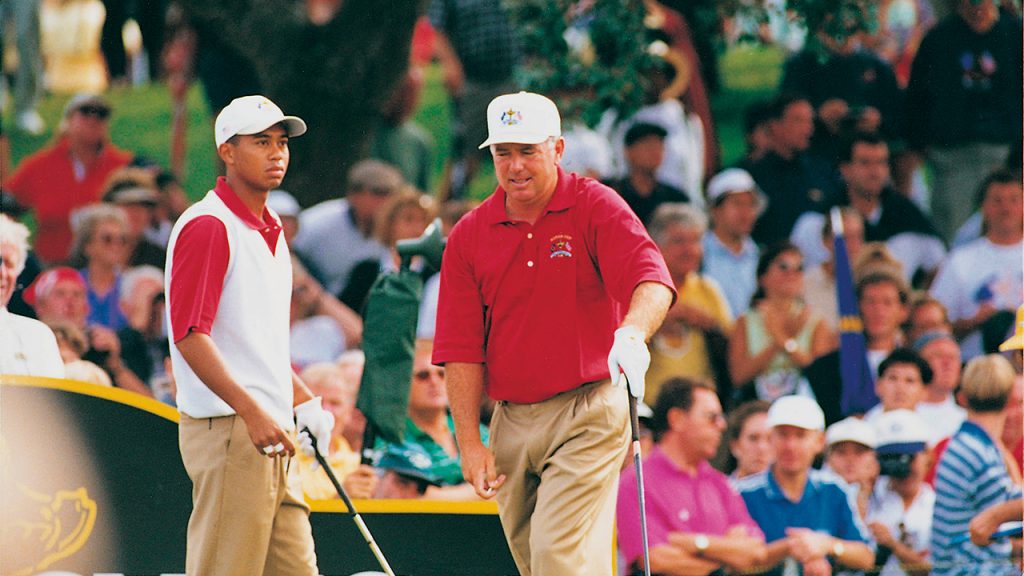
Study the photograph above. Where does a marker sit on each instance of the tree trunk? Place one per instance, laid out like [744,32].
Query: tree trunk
[336,77]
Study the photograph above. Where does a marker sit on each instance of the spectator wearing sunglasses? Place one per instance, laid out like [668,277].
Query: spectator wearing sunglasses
[68,174]
[337,234]
[779,335]
[429,427]
[100,251]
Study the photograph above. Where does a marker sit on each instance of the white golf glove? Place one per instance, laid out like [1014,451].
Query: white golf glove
[311,414]
[629,358]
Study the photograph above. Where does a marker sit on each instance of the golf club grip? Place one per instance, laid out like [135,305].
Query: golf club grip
[634,419]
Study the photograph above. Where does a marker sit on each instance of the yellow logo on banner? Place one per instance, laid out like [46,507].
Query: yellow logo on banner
[851,324]
[64,523]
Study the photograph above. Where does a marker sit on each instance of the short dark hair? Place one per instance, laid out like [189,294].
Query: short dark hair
[642,130]
[998,176]
[739,416]
[858,137]
[777,106]
[675,392]
[907,356]
[880,275]
[756,114]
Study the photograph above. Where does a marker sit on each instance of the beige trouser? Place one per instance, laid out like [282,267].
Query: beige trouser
[248,515]
[562,459]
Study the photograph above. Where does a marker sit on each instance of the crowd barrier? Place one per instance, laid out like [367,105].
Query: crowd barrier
[92,483]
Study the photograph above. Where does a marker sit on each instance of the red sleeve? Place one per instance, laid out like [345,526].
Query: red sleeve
[199,265]
[626,254]
[459,334]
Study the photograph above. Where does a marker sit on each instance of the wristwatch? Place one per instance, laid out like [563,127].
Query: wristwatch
[790,346]
[838,548]
[701,543]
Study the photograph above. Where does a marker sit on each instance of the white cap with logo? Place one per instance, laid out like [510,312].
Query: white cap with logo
[901,432]
[798,411]
[252,114]
[521,118]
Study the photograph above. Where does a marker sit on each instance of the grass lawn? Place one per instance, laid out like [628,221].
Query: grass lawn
[142,119]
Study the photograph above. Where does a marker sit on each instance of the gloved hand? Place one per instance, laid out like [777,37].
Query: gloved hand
[311,414]
[630,358]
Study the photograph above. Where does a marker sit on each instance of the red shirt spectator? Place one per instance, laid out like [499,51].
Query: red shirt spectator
[67,175]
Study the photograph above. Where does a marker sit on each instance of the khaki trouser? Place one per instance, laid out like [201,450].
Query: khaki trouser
[562,458]
[248,515]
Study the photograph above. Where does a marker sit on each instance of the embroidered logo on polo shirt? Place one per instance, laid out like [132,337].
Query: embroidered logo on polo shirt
[511,117]
[560,246]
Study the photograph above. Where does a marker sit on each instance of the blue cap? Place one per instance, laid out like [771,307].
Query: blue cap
[408,460]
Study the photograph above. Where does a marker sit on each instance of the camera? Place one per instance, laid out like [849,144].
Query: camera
[895,465]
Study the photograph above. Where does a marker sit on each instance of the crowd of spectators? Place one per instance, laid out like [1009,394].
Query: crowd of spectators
[756,466]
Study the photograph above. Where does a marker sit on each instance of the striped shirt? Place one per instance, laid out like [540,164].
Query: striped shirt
[971,477]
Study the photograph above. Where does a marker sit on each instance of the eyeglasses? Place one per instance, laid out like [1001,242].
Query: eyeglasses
[713,417]
[95,111]
[789,266]
[424,375]
[112,238]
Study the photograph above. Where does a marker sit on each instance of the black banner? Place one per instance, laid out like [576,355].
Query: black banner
[92,482]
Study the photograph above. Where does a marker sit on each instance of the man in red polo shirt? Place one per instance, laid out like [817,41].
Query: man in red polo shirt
[69,174]
[537,285]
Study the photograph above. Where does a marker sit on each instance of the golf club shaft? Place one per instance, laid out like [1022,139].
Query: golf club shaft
[634,423]
[351,509]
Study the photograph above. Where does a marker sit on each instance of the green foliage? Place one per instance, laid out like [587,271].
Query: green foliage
[590,60]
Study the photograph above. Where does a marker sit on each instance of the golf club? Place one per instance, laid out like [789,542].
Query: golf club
[634,423]
[352,510]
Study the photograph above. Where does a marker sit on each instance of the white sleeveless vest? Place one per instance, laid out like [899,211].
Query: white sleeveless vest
[251,326]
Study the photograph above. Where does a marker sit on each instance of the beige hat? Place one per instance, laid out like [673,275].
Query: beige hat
[1015,342]
[521,118]
[851,430]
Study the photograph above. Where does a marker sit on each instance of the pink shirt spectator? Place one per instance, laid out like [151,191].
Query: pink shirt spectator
[677,502]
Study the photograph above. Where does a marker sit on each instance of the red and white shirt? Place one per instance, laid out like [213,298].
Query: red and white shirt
[229,275]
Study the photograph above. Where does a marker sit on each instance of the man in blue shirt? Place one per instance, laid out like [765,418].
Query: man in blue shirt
[807,518]
[730,255]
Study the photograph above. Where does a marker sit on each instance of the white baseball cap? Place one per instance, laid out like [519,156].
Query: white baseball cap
[252,114]
[799,411]
[901,432]
[521,118]
[734,181]
[851,430]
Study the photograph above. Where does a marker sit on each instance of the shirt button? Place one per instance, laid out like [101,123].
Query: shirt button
[529,235]
[530,263]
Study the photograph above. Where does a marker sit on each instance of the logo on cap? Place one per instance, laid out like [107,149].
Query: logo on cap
[511,117]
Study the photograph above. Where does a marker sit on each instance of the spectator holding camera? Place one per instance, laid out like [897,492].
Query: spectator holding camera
[900,509]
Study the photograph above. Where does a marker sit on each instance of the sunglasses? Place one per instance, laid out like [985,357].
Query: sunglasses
[95,112]
[424,375]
